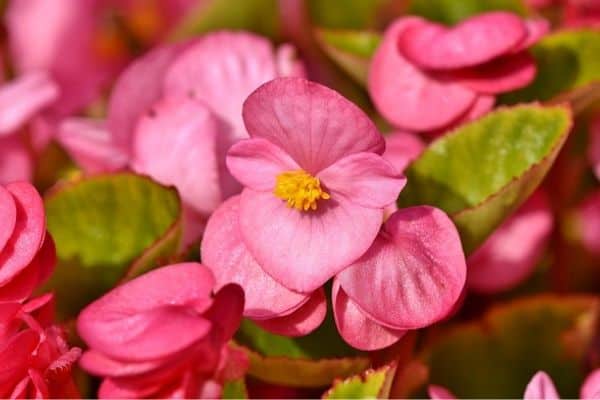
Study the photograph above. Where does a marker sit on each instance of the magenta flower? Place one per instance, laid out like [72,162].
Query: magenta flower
[425,77]
[164,334]
[410,278]
[27,253]
[315,184]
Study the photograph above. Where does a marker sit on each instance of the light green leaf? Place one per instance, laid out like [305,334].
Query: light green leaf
[235,390]
[352,14]
[482,171]
[451,12]
[370,384]
[103,224]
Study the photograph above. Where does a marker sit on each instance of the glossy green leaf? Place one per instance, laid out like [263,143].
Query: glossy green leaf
[370,384]
[482,171]
[351,50]
[103,224]
[496,356]
[566,60]
[453,11]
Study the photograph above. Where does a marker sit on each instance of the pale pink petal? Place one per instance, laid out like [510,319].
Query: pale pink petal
[401,148]
[141,319]
[590,390]
[474,41]
[536,29]
[221,70]
[439,393]
[256,162]
[90,144]
[482,105]
[179,142]
[28,233]
[356,327]
[224,252]
[510,255]
[288,63]
[301,322]
[503,75]
[540,387]
[8,216]
[24,97]
[313,124]
[136,90]
[408,97]
[302,250]
[593,149]
[16,162]
[366,179]
[414,272]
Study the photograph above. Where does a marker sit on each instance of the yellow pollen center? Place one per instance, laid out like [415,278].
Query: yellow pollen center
[299,189]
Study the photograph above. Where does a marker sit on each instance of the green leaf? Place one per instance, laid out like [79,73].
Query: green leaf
[496,356]
[453,11]
[566,60]
[370,384]
[351,50]
[235,390]
[103,224]
[482,171]
[354,14]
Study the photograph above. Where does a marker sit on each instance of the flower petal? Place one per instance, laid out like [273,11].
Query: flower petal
[315,125]
[356,327]
[302,321]
[221,70]
[474,41]
[590,389]
[540,387]
[8,216]
[414,272]
[16,163]
[536,29]
[302,250]
[96,363]
[439,393]
[401,148]
[408,97]
[365,179]
[256,162]
[225,253]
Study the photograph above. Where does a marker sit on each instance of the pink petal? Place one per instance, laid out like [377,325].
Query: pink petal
[499,76]
[90,144]
[24,97]
[408,97]
[313,124]
[540,387]
[366,179]
[28,234]
[439,393]
[136,90]
[590,390]
[301,322]
[474,41]
[401,148]
[140,319]
[356,327]
[510,255]
[302,250]
[536,29]
[221,70]
[15,356]
[179,142]
[8,216]
[414,272]
[288,63]
[225,313]
[224,252]
[96,363]
[482,105]
[588,216]
[16,163]
[255,163]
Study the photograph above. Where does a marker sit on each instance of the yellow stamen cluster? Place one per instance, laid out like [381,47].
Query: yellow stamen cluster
[299,189]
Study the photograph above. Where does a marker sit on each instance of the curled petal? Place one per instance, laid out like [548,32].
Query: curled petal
[540,387]
[536,29]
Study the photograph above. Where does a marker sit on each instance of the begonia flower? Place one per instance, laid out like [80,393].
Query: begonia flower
[315,184]
[511,253]
[426,77]
[164,334]
[410,278]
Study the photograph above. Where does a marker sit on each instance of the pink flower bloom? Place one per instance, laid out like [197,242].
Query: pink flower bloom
[402,148]
[590,389]
[164,334]
[511,253]
[315,183]
[426,77]
[35,360]
[27,253]
[410,278]
[268,303]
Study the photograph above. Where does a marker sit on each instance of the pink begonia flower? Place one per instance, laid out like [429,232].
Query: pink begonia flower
[164,334]
[27,253]
[315,185]
[587,222]
[426,77]
[268,303]
[511,253]
[410,278]
[35,360]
